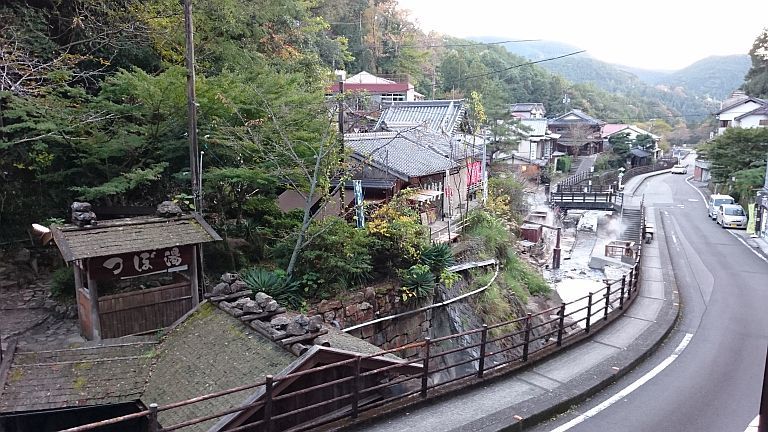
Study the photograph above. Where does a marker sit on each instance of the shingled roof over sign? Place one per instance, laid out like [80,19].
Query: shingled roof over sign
[88,374]
[399,154]
[119,236]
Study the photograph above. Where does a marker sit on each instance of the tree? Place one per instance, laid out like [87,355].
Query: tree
[620,144]
[756,81]
[735,151]
[645,142]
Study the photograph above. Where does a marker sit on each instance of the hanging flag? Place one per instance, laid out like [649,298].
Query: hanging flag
[360,211]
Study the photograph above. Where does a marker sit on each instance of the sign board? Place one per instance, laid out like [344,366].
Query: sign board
[134,264]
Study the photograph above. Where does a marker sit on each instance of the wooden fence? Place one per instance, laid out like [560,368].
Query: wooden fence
[144,311]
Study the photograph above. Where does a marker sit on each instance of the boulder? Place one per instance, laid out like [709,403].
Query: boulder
[295,329]
[221,289]
[315,324]
[279,322]
[239,285]
[262,298]
[271,306]
[229,277]
[168,209]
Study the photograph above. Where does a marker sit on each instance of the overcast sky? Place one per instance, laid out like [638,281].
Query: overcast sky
[651,34]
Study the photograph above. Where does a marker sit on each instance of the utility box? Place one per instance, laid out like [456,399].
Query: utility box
[531,232]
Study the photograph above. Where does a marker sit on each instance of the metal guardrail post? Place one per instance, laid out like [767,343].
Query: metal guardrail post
[607,301]
[152,425]
[483,341]
[629,285]
[589,313]
[623,287]
[356,387]
[425,374]
[268,403]
[561,325]
[527,338]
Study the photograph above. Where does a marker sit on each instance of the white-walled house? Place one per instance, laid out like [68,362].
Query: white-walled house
[374,92]
[742,111]
[612,129]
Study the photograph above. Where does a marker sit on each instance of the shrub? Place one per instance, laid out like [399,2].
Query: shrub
[437,257]
[398,235]
[63,283]
[418,282]
[275,284]
[564,163]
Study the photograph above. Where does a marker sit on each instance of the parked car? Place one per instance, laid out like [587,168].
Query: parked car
[679,169]
[732,216]
[715,201]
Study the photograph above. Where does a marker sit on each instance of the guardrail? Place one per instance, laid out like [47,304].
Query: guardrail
[500,348]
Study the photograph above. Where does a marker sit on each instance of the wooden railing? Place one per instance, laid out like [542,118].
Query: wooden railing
[500,348]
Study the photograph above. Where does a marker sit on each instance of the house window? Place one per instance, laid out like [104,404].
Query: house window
[763,122]
[725,123]
[392,97]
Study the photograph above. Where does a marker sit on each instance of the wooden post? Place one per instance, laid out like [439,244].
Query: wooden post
[193,278]
[356,387]
[561,325]
[191,104]
[425,373]
[527,339]
[268,403]
[93,292]
[483,341]
[152,418]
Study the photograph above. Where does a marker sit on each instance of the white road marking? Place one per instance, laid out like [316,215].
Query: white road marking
[693,200]
[628,389]
[753,426]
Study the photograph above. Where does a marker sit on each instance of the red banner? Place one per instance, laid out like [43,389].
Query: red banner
[474,172]
[123,266]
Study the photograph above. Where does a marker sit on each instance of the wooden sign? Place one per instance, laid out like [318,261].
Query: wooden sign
[134,264]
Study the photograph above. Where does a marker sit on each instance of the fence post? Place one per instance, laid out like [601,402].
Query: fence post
[621,298]
[268,403]
[152,418]
[356,387]
[629,285]
[425,374]
[637,275]
[483,340]
[607,300]
[561,325]
[589,312]
[527,339]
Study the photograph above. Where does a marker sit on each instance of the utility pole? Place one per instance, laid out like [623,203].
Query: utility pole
[192,106]
[341,145]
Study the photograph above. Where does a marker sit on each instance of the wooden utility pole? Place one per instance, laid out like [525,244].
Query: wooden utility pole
[342,207]
[192,106]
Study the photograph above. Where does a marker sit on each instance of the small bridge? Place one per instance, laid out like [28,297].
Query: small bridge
[589,191]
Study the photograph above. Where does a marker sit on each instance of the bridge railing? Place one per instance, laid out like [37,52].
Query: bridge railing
[492,350]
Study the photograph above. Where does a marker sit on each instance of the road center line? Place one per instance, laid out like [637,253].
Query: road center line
[628,389]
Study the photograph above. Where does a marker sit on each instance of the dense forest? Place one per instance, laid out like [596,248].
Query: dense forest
[93,103]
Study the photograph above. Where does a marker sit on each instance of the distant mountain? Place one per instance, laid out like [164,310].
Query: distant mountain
[693,90]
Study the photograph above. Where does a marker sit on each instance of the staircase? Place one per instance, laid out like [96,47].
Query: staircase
[631,219]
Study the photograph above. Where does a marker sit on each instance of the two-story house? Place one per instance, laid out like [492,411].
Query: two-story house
[580,133]
[612,129]
[371,93]
[527,110]
[740,110]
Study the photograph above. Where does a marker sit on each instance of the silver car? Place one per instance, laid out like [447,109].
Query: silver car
[732,216]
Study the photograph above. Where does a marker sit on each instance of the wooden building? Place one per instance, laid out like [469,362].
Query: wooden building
[134,275]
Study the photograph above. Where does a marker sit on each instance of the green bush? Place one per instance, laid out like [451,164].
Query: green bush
[63,283]
[418,282]
[491,231]
[437,257]
[276,285]
[398,236]
[564,163]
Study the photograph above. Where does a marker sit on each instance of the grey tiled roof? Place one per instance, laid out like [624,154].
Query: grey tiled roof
[131,235]
[86,374]
[397,153]
[457,147]
[763,110]
[761,102]
[582,117]
[443,116]
[525,107]
[538,126]
[210,351]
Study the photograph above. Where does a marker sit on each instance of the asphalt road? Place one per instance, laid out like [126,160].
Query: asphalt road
[713,384]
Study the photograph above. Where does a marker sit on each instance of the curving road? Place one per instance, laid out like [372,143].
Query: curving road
[712,384]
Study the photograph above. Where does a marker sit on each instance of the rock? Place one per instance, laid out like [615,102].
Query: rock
[239,285]
[279,322]
[81,207]
[329,316]
[301,320]
[315,324]
[328,305]
[252,307]
[295,329]
[220,289]
[271,306]
[369,293]
[22,256]
[82,219]
[365,306]
[229,277]
[239,303]
[262,299]
[168,209]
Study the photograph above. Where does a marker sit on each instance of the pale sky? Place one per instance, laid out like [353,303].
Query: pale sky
[650,34]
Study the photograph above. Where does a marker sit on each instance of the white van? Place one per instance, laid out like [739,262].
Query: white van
[715,201]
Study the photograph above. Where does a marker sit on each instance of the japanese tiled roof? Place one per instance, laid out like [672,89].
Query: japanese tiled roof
[538,126]
[740,101]
[399,154]
[576,116]
[135,234]
[525,107]
[441,116]
[86,374]
[761,111]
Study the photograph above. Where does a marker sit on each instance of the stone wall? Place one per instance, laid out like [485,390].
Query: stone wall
[371,303]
